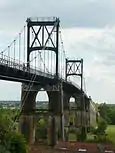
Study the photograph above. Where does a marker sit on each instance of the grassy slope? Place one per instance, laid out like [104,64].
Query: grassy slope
[111,133]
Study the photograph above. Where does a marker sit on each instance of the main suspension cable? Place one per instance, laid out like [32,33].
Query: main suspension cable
[13,41]
[33,76]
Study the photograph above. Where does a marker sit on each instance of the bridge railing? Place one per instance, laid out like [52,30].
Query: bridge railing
[13,63]
[49,19]
[37,71]
[10,62]
[70,81]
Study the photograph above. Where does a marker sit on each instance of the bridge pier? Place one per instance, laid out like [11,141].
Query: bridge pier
[27,125]
[57,108]
[56,125]
[79,116]
[27,118]
[83,117]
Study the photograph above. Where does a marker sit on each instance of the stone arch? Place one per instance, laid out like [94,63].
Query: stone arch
[72,107]
[42,99]
[75,108]
[42,102]
[72,102]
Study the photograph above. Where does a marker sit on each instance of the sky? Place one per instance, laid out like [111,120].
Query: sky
[88,30]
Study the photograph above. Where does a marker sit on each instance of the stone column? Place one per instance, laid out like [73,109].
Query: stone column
[66,115]
[54,106]
[26,125]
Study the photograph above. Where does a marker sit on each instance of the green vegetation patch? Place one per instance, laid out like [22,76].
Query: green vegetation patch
[111,133]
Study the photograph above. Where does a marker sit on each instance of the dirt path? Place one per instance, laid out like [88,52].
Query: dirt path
[71,147]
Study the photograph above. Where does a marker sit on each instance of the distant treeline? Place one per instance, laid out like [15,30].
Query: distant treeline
[17,104]
[11,101]
[107,112]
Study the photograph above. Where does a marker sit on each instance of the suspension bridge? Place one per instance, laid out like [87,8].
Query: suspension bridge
[37,59]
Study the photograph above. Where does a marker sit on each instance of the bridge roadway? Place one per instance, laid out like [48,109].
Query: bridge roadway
[12,70]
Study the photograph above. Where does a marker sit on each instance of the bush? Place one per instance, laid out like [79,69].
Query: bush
[81,134]
[3,149]
[100,131]
[16,143]
[41,130]
[102,126]
[10,140]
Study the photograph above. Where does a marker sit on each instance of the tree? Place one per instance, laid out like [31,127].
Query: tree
[41,129]
[107,112]
[16,143]
[100,131]
[102,125]
[111,113]
[103,108]
[10,140]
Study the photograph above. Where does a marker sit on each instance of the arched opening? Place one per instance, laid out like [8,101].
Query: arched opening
[72,103]
[42,116]
[72,115]
[42,99]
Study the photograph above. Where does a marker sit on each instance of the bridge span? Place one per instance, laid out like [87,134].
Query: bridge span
[42,35]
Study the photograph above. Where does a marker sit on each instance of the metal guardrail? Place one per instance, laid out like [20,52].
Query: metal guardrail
[52,19]
[13,63]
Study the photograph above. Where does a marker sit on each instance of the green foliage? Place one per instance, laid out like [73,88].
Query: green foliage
[41,130]
[10,140]
[100,131]
[71,117]
[107,112]
[108,137]
[72,137]
[17,143]
[3,149]
[102,125]
[81,134]
[111,133]
[92,129]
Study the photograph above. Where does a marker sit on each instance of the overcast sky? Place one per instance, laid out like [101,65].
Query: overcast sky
[88,28]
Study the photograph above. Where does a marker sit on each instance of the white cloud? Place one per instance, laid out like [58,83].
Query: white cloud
[97,48]
[72,13]
[94,40]
[10,90]
[4,3]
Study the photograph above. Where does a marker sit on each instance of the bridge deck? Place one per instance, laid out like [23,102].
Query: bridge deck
[12,70]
